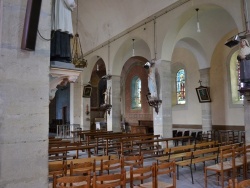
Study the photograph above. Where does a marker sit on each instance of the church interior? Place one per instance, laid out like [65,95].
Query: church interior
[165,83]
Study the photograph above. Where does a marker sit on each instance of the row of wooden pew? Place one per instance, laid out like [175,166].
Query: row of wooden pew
[233,158]
[105,143]
[130,169]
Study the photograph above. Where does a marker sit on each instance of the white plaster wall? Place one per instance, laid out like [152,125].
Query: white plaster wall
[223,113]
[24,100]
[190,113]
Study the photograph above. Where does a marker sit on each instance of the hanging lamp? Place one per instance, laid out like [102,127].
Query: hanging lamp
[133,52]
[198,23]
[77,55]
[108,76]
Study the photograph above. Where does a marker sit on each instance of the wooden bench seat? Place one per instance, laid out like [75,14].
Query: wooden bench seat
[198,156]
[61,157]
[175,153]
[116,143]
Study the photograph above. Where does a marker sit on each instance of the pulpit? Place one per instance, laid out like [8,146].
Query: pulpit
[144,126]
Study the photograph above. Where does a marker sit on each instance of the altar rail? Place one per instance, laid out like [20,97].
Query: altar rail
[64,131]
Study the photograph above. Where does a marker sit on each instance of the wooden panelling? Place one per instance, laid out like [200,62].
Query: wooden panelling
[228,127]
[184,126]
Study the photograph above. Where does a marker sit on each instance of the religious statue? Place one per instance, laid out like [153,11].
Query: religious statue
[106,96]
[152,83]
[62,30]
[244,59]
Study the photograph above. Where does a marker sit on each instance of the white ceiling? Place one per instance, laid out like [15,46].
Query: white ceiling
[100,20]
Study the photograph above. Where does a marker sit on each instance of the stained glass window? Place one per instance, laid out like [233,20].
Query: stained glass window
[236,84]
[240,84]
[136,92]
[180,87]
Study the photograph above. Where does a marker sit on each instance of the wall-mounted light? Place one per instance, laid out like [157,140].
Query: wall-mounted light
[233,41]
[198,23]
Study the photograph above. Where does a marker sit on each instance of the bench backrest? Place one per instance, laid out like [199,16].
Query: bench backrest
[179,149]
[206,151]
[205,145]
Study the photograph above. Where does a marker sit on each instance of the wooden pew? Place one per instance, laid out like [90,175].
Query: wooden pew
[128,146]
[153,146]
[198,156]
[71,147]
[175,153]
[117,143]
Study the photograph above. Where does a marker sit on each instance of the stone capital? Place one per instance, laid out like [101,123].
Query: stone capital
[60,76]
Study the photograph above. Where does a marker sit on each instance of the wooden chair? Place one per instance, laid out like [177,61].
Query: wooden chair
[109,180]
[186,133]
[72,182]
[179,134]
[236,184]
[57,169]
[232,184]
[163,170]
[226,164]
[114,165]
[136,161]
[82,168]
[240,161]
[174,135]
[198,137]
[141,174]
[192,140]
[247,160]
[244,184]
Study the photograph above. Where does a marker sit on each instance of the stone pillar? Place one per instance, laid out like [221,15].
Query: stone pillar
[247,116]
[114,119]
[206,107]
[24,99]
[86,123]
[77,102]
[163,120]
[71,103]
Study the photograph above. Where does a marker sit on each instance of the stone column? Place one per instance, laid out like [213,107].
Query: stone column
[206,107]
[114,118]
[247,116]
[86,123]
[78,109]
[71,104]
[24,99]
[163,120]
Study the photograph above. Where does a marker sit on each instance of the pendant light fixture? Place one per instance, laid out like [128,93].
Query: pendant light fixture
[97,65]
[108,76]
[133,52]
[198,23]
[77,55]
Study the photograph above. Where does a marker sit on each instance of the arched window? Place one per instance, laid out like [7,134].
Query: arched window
[180,87]
[237,98]
[136,92]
